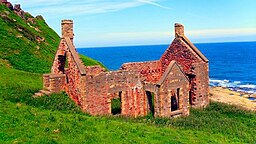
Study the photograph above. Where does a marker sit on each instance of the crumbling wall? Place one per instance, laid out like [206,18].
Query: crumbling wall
[150,71]
[94,70]
[101,89]
[180,52]
[194,67]
[54,82]
[67,62]
[60,58]
[202,85]
[74,78]
[186,58]
[175,81]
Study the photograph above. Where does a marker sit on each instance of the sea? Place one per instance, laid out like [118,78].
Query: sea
[232,64]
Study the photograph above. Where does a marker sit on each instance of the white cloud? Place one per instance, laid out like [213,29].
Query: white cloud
[191,33]
[53,8]
[222,32]
[140,38]
[153,3]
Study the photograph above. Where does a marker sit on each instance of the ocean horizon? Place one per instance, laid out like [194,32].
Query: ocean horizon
[232,64]
[113,46]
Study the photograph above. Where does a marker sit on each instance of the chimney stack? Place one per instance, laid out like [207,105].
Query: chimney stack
[67,29]
[179,30]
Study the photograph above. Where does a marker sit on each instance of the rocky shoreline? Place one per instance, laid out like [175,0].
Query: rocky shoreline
[244,100]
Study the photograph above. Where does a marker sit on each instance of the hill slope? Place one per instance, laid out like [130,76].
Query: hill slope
[28,44]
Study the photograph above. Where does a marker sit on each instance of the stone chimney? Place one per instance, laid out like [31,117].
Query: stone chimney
[179,30]
[67,29]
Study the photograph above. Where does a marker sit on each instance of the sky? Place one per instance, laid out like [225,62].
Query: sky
[99,23]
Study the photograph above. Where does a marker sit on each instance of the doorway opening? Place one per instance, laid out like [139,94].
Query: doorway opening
[116,104]
[192,79]
[62,61]
[151,105]
[175,100]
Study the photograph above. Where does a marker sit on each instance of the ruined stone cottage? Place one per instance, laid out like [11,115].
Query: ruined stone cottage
[165,88]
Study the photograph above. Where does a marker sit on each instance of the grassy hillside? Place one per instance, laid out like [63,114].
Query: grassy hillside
[19,44]
[28,44]
[90,62]
[56,118]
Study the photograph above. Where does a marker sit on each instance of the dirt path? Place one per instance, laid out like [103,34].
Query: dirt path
[225,95]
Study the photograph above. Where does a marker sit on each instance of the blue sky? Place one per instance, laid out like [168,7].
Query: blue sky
[144,22]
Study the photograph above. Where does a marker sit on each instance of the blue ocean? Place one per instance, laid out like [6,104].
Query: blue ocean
[232,65]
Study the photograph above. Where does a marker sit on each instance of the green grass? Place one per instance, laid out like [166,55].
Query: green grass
[56,119]
[90,62]
[19,45]
[18,87]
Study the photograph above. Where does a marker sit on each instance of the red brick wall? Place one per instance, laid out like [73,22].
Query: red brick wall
[174,80]
[94,70]
[101,89]
[74,78]
[60,58]
[150,71]
[54,82]
[192,64]
[202,85]
[72,72]
[179,52]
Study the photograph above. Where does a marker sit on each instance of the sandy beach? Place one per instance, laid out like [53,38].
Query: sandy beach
[240,99]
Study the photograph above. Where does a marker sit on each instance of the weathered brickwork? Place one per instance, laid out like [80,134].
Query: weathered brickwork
[66,56]
[162,88]
[193,63]
[174,86]
[150,71]
[103,87]
[54,82]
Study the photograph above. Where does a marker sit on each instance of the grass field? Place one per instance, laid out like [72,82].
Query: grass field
[56,119]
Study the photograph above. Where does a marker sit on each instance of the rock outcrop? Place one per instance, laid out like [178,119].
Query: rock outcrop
[17,9]
[8,4]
